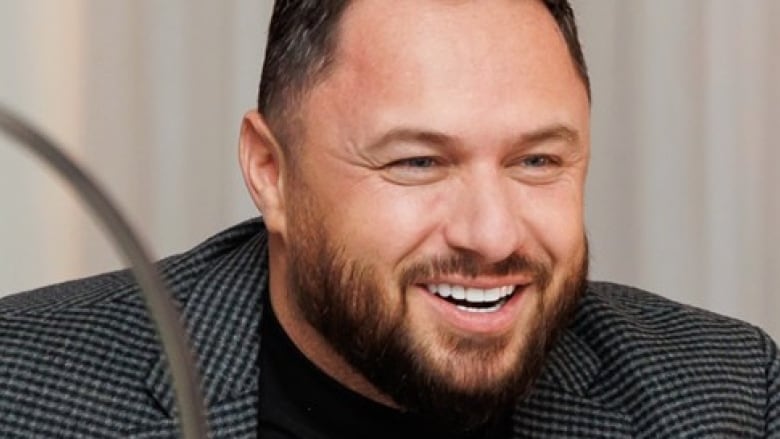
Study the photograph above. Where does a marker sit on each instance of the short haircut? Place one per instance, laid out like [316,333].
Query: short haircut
[302,40]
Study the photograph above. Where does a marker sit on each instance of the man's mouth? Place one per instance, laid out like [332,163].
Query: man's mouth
[470,299]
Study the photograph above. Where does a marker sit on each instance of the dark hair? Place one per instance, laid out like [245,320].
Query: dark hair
[301,43]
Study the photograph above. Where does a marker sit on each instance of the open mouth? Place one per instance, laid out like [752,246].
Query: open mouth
[476,300]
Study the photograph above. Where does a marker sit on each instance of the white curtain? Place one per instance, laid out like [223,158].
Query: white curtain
[683,193]
[146,94]
[682,197]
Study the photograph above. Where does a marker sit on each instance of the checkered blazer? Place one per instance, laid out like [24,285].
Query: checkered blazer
[80,359]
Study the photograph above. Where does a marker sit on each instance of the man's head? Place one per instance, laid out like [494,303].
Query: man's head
[421,173]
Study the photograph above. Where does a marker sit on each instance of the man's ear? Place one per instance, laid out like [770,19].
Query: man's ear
[262,163]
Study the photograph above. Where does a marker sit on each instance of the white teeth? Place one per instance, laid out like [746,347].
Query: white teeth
[493,294]
[493,308]
[470,294]
[475,295]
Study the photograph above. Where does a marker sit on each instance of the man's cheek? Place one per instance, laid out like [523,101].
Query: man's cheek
[556,240]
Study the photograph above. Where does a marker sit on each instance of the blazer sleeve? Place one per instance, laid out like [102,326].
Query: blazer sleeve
[773,389]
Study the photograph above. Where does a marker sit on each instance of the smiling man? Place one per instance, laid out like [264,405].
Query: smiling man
[423,199]
[420,268]
[420,167]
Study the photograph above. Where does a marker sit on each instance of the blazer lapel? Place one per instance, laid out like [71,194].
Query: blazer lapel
[560,404]
[222,315]
[230,418]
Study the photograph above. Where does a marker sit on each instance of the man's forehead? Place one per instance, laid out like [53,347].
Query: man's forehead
[369,26]
[406,41]
[412,56]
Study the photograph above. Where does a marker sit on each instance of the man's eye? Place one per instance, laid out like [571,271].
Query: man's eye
[538,161]
[415,170]
[537,168]
[416,162]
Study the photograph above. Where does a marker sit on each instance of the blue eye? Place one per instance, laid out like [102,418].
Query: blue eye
[414,171]
[417,162]
[537,161]
[539,168]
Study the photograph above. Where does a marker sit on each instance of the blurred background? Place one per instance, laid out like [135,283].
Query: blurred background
[682,197]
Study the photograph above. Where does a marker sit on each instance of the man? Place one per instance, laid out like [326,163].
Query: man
[420,268]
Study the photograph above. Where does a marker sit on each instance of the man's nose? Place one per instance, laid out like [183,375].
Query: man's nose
[485,220]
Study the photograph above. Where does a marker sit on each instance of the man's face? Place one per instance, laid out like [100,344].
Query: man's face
[435,214]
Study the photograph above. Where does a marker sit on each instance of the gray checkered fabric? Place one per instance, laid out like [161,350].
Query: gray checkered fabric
[80,359]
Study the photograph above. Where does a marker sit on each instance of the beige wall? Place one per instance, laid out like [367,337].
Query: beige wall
[682,195]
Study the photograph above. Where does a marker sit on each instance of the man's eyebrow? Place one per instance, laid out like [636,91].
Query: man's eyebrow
[412,135]
[556,132]
[550,133]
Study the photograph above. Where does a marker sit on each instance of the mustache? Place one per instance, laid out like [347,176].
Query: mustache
[471,265]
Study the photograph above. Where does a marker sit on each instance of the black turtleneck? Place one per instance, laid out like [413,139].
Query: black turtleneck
[298,400]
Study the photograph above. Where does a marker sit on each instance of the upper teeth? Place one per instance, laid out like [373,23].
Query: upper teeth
[470,294]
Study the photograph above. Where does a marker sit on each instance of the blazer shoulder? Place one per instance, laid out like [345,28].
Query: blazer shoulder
[70,294]
[626,323]
[86,349]
[92,292]
[677,369]
[651,312]
[178,271]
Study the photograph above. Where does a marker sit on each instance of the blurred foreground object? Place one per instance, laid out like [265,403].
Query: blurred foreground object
[163,313]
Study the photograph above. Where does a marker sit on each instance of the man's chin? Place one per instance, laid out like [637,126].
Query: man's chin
[479,370]
[464,380]
[469,378]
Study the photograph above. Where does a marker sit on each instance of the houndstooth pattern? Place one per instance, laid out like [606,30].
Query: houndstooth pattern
[80,359]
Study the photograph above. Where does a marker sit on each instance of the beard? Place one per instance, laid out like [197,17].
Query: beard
[460,383]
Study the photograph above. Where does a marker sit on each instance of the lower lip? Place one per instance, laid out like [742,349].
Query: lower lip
[493,323]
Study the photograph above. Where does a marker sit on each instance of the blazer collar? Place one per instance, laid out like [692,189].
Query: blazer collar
[220,283]
[565,402]
[571,364]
